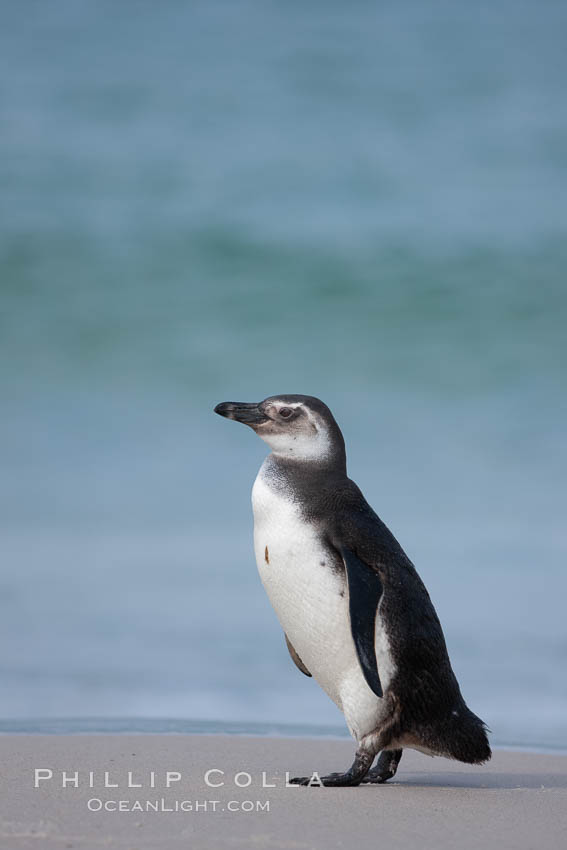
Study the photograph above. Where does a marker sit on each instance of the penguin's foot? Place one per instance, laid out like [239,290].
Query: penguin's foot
[376,777]
[386,767]
[333,779]
[353,776]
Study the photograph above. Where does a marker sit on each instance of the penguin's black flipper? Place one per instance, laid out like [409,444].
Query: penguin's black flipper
[295,657]
[364,593]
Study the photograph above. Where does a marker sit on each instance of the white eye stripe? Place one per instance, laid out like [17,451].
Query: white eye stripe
[281,403]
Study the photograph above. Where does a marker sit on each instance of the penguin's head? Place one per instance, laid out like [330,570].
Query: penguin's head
[297,427]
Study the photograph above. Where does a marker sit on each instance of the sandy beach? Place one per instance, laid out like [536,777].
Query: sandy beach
[173,791]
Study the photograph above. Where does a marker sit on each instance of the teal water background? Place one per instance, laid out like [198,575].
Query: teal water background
[212,201]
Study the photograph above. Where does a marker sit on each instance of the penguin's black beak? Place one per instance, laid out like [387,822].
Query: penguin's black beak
[248,414]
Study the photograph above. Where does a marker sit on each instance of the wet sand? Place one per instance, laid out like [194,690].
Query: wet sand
[518,800]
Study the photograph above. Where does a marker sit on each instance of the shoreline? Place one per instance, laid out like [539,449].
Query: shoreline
[73,726]
[230,791]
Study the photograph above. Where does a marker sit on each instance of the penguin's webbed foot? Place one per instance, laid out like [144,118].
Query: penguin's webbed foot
[303,780]
[333,779]
[353,776]
[376,777]
[385,769]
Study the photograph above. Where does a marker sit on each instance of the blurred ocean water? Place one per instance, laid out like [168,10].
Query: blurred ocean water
[212,201]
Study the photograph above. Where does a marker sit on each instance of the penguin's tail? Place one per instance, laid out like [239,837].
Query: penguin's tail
[462,735]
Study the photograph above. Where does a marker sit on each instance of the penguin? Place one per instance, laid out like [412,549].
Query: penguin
[355,614]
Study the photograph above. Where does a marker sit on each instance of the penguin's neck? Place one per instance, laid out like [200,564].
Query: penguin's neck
[300,475]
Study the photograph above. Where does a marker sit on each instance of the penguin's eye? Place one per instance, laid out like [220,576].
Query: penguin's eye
[285,412]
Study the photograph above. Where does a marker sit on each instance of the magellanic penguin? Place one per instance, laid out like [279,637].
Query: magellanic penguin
[355,613]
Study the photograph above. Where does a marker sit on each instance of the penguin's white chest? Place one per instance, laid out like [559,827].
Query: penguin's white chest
[310,597]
